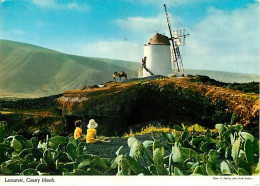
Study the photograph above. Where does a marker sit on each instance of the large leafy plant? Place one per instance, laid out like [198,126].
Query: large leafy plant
[229,151]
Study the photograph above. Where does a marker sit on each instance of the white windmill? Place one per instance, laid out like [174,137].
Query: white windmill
[162,54]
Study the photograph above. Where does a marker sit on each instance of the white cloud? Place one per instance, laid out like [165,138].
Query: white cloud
[138,29]
[19,32]
[46,3]
[113,49]
[77,6]
[139,24]
[173,2]
[226,41]
[56,4]
[41,23]
[143,28]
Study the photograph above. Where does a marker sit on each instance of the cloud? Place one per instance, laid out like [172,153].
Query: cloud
[46,3]
[143,28]
[138,31]
[19,32]
[41,23]
[139,23]
[226,41]
[173,2]
[56,4]
[77,6]
[113,49]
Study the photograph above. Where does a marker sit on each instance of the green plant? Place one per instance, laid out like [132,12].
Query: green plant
[229,151]
[3,126]
[56,155]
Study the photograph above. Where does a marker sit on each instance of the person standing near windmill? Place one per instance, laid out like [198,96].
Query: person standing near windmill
[114,76]
[144,62]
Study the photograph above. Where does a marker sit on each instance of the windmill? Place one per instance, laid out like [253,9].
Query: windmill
[162,53]
[177,38]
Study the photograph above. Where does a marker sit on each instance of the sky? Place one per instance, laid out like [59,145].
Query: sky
[223,35]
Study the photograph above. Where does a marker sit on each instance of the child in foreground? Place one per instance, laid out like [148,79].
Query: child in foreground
[78,130]
[92,133]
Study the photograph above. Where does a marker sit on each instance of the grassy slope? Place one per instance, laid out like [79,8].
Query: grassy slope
[27,70]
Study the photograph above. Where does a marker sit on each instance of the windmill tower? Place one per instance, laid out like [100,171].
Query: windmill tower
[162,54]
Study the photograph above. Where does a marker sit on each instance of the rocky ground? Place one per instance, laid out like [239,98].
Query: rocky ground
[108,150]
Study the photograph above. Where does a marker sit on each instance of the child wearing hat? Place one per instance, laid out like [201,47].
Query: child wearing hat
[92,133]
[78,130]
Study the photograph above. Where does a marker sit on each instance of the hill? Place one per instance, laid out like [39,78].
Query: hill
[31,71]
[228,77]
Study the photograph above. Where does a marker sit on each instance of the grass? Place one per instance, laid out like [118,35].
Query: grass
[159,129]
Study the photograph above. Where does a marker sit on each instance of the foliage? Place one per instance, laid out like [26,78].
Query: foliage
[229,151]
[3,126]
[29,103]
[159,129]
[56,155]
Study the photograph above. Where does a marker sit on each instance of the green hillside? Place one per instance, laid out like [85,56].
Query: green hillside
[31,71]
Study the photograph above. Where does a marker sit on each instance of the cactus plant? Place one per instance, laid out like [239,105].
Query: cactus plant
[3,126]
[225,168]
[210,170]
[246,136]
[84,163]
[249,152]
[182,153]
[176,154]
[158,162]
[57,140]
[125,167]
[136,148]
[27,172]
[177,172]
[235,149]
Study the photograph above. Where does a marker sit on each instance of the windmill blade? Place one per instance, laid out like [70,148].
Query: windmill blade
[184,37]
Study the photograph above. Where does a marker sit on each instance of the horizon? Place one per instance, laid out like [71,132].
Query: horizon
[222,34]
[127,60]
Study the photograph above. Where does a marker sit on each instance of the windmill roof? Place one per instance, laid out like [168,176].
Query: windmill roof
[159,39]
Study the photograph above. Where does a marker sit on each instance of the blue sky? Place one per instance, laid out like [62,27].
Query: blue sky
[224,35]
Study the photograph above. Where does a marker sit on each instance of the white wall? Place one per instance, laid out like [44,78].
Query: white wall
[158,60]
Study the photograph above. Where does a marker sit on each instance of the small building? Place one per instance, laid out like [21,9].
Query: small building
[157,57]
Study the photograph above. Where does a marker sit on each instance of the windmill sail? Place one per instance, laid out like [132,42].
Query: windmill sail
[176,41]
